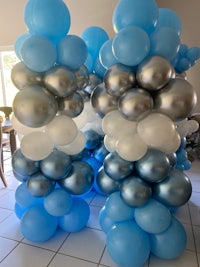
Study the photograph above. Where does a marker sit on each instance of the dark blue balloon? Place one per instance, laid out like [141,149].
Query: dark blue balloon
[92,139]
[100,152]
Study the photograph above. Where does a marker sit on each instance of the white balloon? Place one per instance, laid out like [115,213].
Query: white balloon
[110,143]
[80,120]
[172,145]
[88,109]
[187,127]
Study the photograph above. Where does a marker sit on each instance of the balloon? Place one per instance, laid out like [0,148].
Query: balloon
[131,45]
[48,18]
[105,221]
[56,166]
[89,63]
[110,143]
[72,52]
[114,204]
[94,80]
[106,56]
[77,217]
[62,130]
[172,145]
[99,69]
[36,146]
[138,13]
[175,190]
[134,191]
[21,76]
[118,79]
[135,104]
[170,243]
[38,53]
[80,179]
[19,211]
[37,225]
[154,166]
[92,139]
[154,73]
[60,81]
[58,202]
[100,152]
[39,185]
[116,167]
[176,100]
[34,106]
[128,245]
[18,44]
[153,217]
[82,77]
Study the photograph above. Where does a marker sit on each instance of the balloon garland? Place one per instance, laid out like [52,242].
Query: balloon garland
[111,115]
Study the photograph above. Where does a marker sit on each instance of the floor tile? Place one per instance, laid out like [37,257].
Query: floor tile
[4,213]
[94,218]
[196,230]
[99,200]
[8,200]
[195,215]
[10,228]
[190,237]
[194,199]
[6,246]
[182,214]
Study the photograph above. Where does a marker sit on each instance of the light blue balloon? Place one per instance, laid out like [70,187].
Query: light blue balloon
[19,211]
[77,217]
[105,221]
[128,245]
[140,13]
[106,55]
[38,53]
[50,18]
[89,63]
[72,52]
[193,54]
[18,44]
[37,225]
[131,45]
[153,217]
[99,69]
[117,209]
[165,42]
[170,243]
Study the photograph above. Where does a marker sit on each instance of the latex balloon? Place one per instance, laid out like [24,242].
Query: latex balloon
[101,101]
[39,185]
[92,139]
[116,167]
[21,76]
[134,191]
[72,105]
[175,190]
[56,166]
[172,144]
[154,73]
[60,81]
[135,104]
[176,100]
[110,143]
[154,166]
[82,77]
[80,180]
[106,56]
[94,80]
[118,79]
[34,106]
[105,221]
[18,44]
[100,152]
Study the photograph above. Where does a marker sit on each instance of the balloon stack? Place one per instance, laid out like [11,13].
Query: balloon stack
[106,114]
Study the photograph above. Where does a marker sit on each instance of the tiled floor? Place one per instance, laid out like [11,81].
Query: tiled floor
[86,248]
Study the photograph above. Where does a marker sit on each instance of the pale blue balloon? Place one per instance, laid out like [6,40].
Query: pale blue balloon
[99,69]
[18,44]
[105,221]
[89,63]
[106,55]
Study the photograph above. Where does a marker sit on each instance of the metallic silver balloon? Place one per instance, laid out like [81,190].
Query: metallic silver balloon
[101,101]
[82,77]
[105,183]
[176,100]
[175,190]
[154,73]
[56,166]
[34,106]
[135,104]
[80,179]
[94,80]
[116,167]
[21,76]
[172,159]
[118,79]
[134,191]
[154,166]
[60,81]
[71,106]
[39,186]
[19,177]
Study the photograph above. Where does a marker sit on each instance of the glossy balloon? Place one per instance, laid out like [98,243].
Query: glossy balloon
[92,139]
[18,44]
[106,55]
[105,221]
[100,152]
[82,77]
[94,80]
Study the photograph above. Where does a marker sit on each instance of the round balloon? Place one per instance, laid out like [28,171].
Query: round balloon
[106,55]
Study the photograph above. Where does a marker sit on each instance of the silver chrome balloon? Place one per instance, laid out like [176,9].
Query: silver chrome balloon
[94,80]
[175,190]
[176,100]
[60,81]
[71,106]
[134,191]
[34,106]
[118,79]
[101,101]
[135,104]
[82,77]
[154,73]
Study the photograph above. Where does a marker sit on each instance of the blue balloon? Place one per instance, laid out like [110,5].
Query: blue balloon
[38,53]
[140,13]
[89,63]
[170,243]
[58,202]
[128,245]
[131,45]
[99,69]
[50,18]
[153,217]
[106,55]
[95,164]
[72,52]
[105,221]
[77,217]
[193,54]
[92,139]
[100,152]
[37,225]
[117,209]
[19,211]
[18,44]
